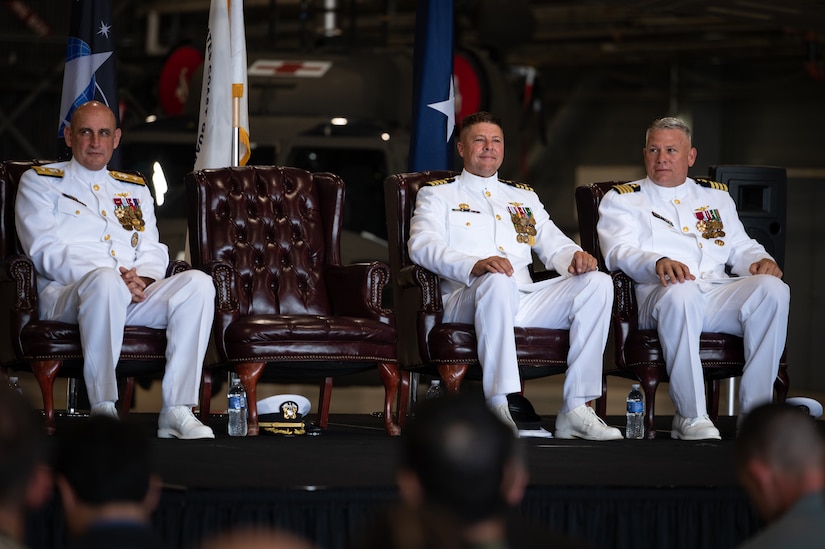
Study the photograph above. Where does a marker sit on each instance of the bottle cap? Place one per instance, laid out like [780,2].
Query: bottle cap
[635,386]
[435,382]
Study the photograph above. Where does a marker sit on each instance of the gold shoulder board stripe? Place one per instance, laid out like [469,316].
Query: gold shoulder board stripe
[127,178]
[710,184]
[440,181]
[523,186]
[51,172]
[625,188]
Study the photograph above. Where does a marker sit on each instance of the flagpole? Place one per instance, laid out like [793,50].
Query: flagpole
[237,93]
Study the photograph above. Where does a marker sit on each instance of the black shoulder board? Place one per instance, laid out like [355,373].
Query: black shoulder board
[625,188]
[127,178]
[517,185]
[50,172]
[439,181]
[710,184]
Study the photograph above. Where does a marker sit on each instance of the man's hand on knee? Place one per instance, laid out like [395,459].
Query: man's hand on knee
[766,266]
[582,262]
[494,264]
[670,271]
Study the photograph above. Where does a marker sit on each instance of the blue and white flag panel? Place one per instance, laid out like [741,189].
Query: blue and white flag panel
[433,115]
[90,72]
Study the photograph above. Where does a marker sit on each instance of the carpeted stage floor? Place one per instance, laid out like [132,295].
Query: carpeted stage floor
[646,493]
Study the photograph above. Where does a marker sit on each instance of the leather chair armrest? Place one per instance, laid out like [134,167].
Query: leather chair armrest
[358,289]
[24,308]
[227,309]
[177,266]
[625,313]
[427,283]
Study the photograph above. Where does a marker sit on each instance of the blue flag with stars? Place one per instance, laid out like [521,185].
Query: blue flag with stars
[433,115]
[90,60]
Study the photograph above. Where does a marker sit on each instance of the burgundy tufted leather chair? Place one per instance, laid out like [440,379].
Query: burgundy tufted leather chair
[270,238]
[427,344]
[638,353]
[51,348]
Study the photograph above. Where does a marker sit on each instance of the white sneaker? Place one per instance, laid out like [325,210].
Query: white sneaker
[694,428]
[104,409]
[582,422]
[502,411]
[180,422]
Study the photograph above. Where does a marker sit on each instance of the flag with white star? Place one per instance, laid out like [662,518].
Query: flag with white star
[90,60]
[433,116]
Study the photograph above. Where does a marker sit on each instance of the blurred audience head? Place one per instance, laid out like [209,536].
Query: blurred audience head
[779,457]
[104,468]
[457,455]
[25,479]
[257,538]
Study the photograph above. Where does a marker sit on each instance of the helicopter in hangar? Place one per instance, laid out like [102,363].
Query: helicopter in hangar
[348,114]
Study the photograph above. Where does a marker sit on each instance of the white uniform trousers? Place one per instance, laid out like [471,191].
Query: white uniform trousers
[101,304]
[752,307]
[494,305]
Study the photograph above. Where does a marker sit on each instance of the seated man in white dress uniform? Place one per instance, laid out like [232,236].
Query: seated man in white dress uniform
[92,236]
[675,236]
[478,233]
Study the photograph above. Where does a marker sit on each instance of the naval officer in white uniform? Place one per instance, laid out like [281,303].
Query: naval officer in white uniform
[478,234]
[674,236]
[93,239]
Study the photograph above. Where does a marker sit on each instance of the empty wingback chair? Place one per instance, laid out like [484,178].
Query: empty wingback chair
[270,238]
[638,353]
[426,343]
[51,348]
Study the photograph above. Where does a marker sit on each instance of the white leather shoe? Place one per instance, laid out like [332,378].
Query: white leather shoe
[694,428]
[104,409]
[180,422]
[541,432]
[582,422]
[502,411]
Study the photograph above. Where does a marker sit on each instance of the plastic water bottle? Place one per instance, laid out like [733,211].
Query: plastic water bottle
[237,407]
[435,389]
[15,385]
[635,413]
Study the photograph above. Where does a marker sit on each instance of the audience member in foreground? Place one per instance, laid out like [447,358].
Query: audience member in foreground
[25,478]
[461,479]
[779,457]
[104,475]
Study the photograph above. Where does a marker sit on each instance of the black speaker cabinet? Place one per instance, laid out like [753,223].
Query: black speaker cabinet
[760,194]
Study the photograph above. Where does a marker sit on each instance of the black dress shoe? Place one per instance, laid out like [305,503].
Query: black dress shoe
[522,412]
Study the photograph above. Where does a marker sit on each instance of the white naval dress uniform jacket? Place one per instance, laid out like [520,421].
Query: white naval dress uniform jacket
[459,222]
[640,223]
[69,222]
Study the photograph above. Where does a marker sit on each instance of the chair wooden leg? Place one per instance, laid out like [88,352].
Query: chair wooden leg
[250,373]
[323,402]
[403,398]
[127,393]
[206,396]
[452,375]
[712,388]
[782,384]
[388,371]
[45,371]
[601,402]
[649,385]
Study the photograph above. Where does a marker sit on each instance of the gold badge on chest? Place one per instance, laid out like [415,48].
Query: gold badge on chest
[129,213]
[524,222]
[710,224]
